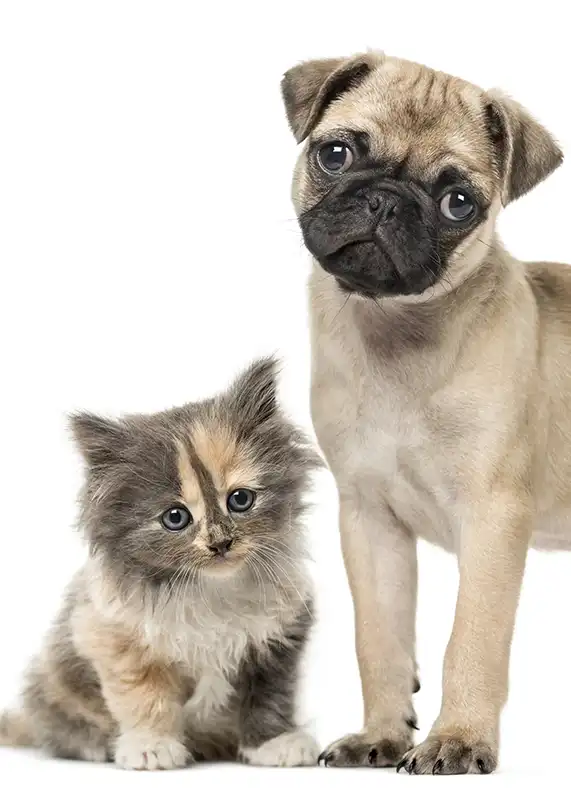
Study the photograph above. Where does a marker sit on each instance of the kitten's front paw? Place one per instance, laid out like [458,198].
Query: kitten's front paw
[144,750]
[294,749]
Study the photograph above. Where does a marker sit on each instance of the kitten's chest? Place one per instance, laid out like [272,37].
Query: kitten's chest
[204,641]
[211,652]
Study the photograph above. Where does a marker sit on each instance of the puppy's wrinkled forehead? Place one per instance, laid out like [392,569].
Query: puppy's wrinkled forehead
[416,117]
[419,117]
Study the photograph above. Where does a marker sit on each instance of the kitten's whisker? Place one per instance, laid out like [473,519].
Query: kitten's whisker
[259,580]
[274,578]
[276,565]
[278,551]
[178,586]
[203,594]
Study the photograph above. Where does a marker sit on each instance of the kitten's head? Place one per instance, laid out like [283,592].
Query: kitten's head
[212,486]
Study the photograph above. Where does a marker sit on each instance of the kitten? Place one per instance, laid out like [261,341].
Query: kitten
[180,638]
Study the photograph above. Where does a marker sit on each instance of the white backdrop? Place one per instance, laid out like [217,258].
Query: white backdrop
[148,250]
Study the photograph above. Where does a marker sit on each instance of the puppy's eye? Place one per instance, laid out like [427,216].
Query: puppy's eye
[241,500]
[176,518]
[457,205]
[335,158]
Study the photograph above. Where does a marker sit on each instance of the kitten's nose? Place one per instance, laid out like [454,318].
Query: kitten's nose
[221,547]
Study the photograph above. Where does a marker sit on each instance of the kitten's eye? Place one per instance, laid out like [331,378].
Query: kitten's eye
[335,157]
[176,518]
[457,205]
[241,500]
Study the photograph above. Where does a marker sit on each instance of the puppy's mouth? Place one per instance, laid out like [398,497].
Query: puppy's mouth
[350,253]
[367,268]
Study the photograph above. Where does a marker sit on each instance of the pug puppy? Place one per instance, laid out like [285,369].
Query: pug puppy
[441,379]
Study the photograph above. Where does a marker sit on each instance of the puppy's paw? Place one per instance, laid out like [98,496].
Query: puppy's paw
[294,749]
[365,750]
[449,755]
[144,750]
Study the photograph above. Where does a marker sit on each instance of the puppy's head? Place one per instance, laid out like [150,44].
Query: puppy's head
[405,169]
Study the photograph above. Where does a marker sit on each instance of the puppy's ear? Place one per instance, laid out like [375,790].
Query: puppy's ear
[101,441]
[308,88]
[253,396]
[526,152]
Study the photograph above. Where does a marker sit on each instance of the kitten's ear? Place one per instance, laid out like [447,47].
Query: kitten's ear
[526,152]
[253,396]
[101,441]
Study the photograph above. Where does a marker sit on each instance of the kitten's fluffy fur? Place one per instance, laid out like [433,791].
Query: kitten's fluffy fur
[165,652]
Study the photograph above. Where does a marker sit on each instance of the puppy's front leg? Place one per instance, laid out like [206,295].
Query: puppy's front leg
[380,559]
[492,555]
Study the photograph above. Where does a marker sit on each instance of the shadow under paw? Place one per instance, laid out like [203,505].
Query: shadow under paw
[448,755]
[359,750]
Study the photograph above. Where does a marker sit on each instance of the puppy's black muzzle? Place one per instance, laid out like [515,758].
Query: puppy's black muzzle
[376,236]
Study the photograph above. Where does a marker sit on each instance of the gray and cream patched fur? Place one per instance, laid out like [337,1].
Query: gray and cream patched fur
[441,378]
[180,639]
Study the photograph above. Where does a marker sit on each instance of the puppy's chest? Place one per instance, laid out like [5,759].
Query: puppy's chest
[413,475]
[386,439]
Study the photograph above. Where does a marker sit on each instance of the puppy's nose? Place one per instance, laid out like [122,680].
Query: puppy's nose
[385,205]
[220,548]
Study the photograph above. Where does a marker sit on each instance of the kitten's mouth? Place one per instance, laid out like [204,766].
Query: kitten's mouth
[227,558]
[224,563]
